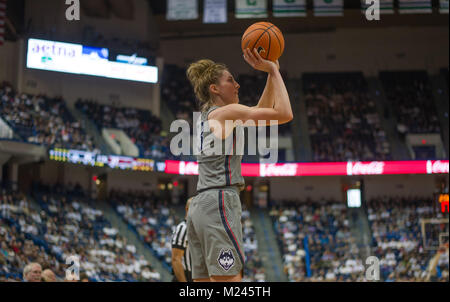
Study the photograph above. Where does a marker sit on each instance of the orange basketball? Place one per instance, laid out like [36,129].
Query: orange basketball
[266,38]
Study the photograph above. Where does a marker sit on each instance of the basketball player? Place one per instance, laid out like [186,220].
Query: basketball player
[181,263]
[214,216]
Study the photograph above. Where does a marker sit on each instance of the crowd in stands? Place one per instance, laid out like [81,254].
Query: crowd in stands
[154,220]
[398,241]
[141,126]
[318,245]
[254,270]
[252,87]
[43,120]
[177,93]
[316,241]
[315,238]
[20,226]
[151,218]
[342,119]
[68,224]
[410,95]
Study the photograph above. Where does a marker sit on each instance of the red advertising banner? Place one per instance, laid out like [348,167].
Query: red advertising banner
[324,169]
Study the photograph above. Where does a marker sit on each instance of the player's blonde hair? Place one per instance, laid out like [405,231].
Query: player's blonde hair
[202,74]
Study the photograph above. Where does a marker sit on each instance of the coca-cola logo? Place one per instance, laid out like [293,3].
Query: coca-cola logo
[188,168]
[437,167]
[360,168]
[278,170]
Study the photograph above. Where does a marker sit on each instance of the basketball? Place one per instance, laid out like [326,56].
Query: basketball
[266,38]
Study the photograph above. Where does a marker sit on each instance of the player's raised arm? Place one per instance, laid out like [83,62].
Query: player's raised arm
[275,93]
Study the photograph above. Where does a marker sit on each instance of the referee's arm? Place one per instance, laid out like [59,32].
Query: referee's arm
[177,265]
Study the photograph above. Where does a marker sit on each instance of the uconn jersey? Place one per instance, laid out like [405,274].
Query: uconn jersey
[220,170]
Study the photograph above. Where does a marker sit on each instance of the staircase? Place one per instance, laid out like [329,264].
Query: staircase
[91,129]
[268,246]
[118,223]
[360,228]
[399,150]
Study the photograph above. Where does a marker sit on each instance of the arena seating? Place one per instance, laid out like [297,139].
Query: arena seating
[317,236]
[316,242]
[154,221]
[398,240]
[177,92]
[104,254]
[43,120]
[21,230]
[179,95]
[142,127]
[69,224]
[254,270]
[151,218]
[411,97]
[342,118]
[252,87]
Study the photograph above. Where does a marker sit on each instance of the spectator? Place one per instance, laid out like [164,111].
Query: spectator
[32,272]
[342,119]
[398,238]
[43,120]
[48,276]
[320,232]
[141,126]
[411,98]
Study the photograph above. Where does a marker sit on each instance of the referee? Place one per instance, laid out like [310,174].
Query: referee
[181,261]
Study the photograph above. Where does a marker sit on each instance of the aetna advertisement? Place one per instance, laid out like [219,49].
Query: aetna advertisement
[324,169]
[79,59]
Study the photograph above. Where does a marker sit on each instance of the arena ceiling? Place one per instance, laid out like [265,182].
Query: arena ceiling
[353,17]
[124,9]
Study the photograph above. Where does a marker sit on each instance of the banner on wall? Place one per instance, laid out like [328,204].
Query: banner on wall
[182,10]
[289,8]
[254,169]
[215,11]
[386,6]
[251,9]
[2,21]
[443,6]
[84,60]
[414,7]
[324,169]
[328,8]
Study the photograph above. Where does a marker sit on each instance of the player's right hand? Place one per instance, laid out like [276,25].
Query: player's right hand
[254,59]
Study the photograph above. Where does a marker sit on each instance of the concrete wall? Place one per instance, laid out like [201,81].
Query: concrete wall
[49,18]
[368,50]
[330,187]
[9,60]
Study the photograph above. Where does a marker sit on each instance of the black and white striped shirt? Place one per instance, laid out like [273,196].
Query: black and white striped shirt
[179,241]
